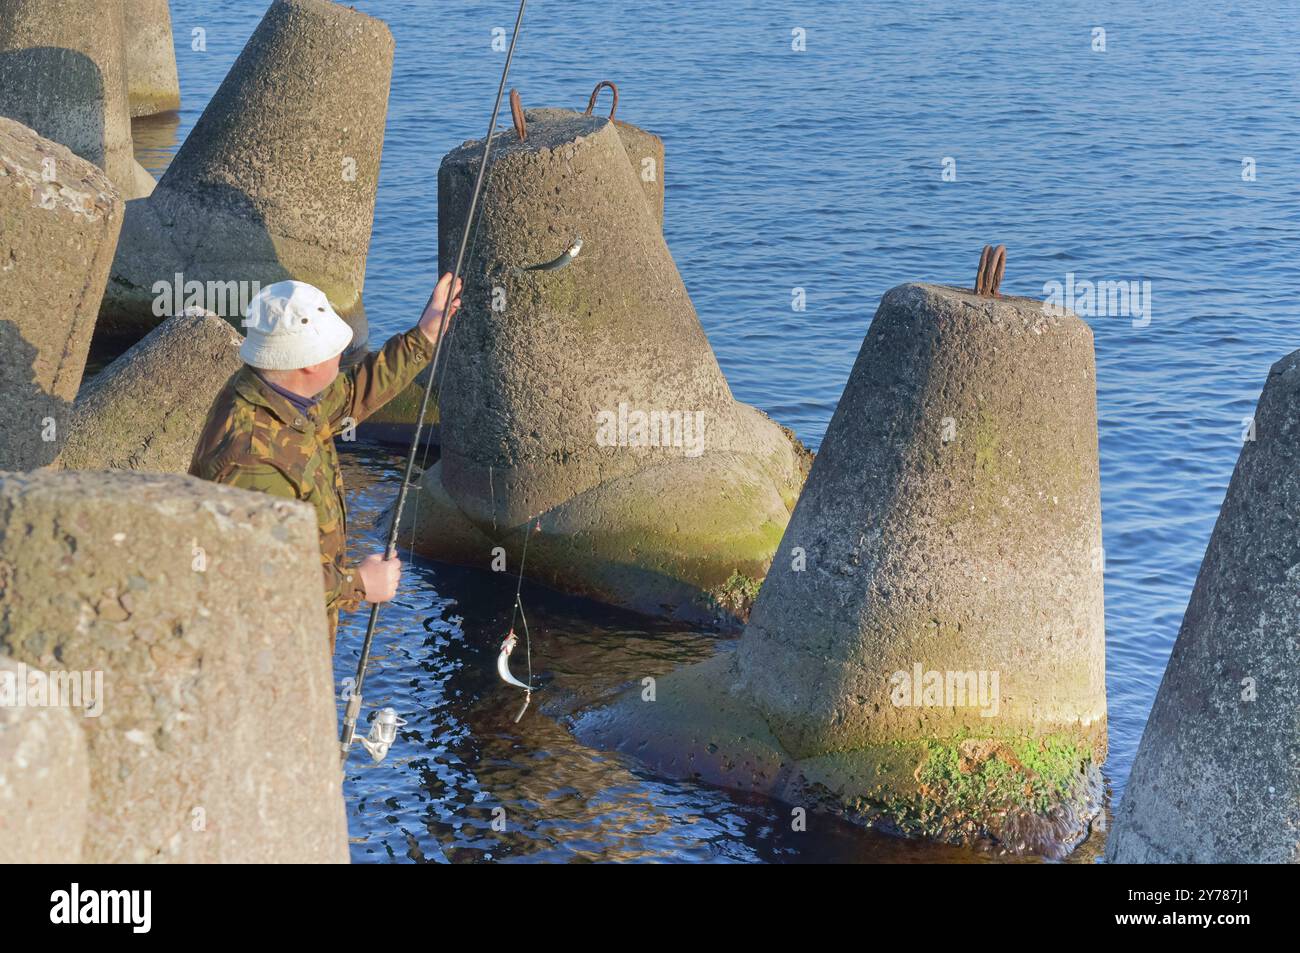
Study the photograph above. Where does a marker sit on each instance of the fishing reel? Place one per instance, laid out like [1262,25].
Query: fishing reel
[383,733]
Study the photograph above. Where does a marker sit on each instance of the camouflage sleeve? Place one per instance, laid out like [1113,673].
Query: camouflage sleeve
[375,381]
[343,586]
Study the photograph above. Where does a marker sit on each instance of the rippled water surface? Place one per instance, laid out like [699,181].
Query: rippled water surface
[821,170]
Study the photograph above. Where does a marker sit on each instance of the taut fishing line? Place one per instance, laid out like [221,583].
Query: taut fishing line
[353,709]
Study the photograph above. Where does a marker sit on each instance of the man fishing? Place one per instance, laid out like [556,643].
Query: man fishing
[272,426]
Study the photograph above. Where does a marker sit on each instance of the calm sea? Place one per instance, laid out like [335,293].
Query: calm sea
[823,169]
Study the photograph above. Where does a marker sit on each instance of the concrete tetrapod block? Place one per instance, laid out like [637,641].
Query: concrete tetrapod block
[927,651]
[63,73]
[61,218]
[1216,779]
[145,411]
[153,85]
[202,606]
[589,396]
[244,203]
[44,777]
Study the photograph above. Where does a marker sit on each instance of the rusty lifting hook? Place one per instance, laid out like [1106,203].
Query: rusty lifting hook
[591,103]
[517,114]
[993,262]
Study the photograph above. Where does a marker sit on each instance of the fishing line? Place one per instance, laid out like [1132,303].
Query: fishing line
[353,709]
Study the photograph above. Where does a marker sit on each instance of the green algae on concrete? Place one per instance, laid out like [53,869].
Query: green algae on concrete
[1020,794]
[1029,794]
[153,85]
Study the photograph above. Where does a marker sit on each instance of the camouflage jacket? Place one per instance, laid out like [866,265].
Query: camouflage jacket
[255,439]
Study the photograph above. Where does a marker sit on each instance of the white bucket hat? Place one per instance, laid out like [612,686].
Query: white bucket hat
[291,325]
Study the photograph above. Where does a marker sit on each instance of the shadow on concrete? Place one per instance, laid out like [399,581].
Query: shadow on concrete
[28,413]
[57,93]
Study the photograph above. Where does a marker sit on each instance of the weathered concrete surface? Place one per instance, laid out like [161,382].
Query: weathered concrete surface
[153,85]
[244,201]
[1217,775]
[44,776]
[63,73]
[145,411]
[952,521]
[202,606]
[645,152]
[61,218]
[659,529]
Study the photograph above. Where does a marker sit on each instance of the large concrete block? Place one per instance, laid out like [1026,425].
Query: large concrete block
[44,774]
[202,606]
[61,219]
[556,380]
[145,411]
[927,651]
[245,202]
[1216,779]
[952,518]
[153,85]
[63,73]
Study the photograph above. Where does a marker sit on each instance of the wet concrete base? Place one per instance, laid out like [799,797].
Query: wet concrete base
[1022,796]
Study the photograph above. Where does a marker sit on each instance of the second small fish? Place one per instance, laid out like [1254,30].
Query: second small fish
[570,253]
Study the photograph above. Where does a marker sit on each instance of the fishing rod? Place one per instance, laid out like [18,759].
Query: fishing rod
[387,727]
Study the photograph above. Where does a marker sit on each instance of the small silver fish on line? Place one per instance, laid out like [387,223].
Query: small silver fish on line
[570,253]
[503,669]
[503,662]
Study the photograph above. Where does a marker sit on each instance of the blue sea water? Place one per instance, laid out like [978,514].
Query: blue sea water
[822,169]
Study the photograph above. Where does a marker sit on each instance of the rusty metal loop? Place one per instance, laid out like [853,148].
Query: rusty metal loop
[999,266]
[993,263]
[591,103]
[981,274]
[517,113]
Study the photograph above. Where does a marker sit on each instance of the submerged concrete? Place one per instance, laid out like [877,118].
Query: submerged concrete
[201,605]
[588,398]
[145,411]
[244,203]
[1216,779]
[927,651]
[153,85]
[61,218]
[44,777]
[63,73]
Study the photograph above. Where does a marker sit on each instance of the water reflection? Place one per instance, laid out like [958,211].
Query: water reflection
[156,139]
